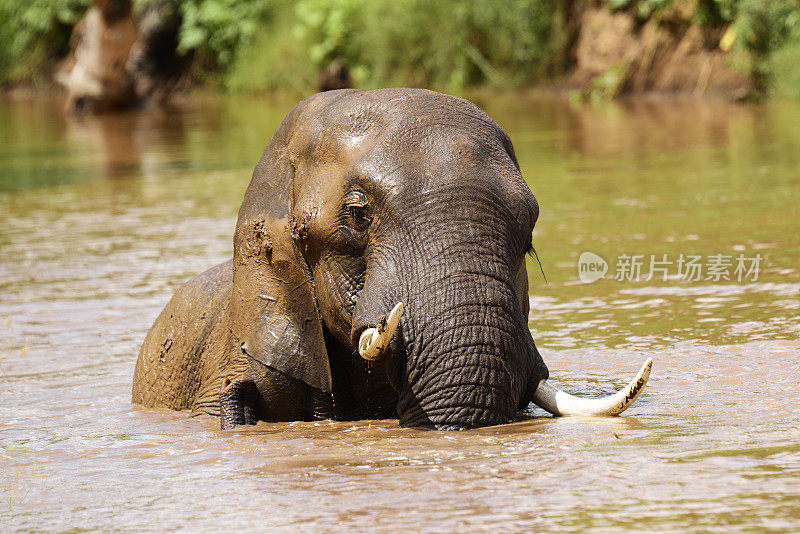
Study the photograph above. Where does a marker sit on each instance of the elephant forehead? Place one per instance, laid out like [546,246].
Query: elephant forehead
[441,157]
[398,137]
[329,138]
[345,125]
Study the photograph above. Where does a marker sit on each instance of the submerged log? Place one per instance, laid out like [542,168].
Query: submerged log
[117,61]
[95,74]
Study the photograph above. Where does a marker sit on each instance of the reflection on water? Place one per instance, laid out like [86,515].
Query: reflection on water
[128,143]
[101,219]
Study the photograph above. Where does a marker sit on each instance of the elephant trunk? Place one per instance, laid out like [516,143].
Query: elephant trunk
[463,356]
[488,402]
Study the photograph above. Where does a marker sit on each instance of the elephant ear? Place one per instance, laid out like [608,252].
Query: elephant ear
[274,313]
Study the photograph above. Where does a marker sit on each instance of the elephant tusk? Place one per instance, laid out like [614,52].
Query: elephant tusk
[558,402]
[373,341]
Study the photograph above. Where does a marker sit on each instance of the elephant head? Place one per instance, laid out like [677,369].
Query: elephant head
[403,200]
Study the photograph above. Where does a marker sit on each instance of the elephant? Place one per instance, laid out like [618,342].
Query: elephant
[378,272]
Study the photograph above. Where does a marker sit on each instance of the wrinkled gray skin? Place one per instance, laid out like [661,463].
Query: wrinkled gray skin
[362,200]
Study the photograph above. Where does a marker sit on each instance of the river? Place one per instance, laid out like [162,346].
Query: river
[692,209]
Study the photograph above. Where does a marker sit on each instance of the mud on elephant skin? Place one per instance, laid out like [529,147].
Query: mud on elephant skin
[360,202]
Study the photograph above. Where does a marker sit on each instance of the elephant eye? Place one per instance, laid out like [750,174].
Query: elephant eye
[359,216]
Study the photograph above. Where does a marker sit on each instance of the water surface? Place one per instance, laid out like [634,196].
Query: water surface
[101,219]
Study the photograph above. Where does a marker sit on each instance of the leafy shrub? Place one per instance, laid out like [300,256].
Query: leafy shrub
[644,8]
[435,43]
[217,28]
[704,12]
[33,33]
[768,34]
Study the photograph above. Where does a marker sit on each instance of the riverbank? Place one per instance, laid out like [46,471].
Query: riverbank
[596,49]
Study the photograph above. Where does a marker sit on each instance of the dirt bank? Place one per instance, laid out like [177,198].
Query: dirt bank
[618,53]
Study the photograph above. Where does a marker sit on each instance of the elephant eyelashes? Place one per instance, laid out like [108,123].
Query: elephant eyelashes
[359,217]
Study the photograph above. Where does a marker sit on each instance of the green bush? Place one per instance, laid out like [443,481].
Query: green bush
[705,12]
[442,44]
[217,28]
[785,64]
[276,59]
[768,34]
[33,33]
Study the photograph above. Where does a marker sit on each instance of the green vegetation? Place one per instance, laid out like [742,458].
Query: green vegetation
[769,37]
[32,34]
[703,11]
[217,28]
[447,45]
[265,45]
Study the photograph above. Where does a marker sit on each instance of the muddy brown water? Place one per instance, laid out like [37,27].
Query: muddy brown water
[102,219]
